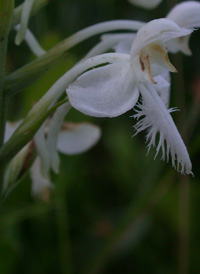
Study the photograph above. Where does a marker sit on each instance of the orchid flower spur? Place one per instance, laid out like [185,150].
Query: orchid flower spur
[113,89]
[26,10]
[147,4]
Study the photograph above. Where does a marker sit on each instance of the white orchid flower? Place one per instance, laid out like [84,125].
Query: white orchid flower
[67,138]
[147,4]
[186,15]
[71,140]
[114,89]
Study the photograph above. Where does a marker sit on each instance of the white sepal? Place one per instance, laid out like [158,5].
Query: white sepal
[107,91]
[40,183]
[42,149]
[77,138]
[157,30]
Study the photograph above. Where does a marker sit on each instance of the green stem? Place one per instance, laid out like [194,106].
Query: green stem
[3,49]
[6,13]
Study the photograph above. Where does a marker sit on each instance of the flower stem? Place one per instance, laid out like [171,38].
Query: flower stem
[28,74]
[6,13]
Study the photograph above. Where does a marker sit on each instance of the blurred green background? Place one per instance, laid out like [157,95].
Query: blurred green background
[114,209]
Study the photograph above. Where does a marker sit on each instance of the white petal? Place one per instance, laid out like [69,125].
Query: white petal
[157,30]
[78,138]
[39,182]
[186,14]
[148,4]
[157,118]
[107,91]
[42,150]
[53,131]
[10,129]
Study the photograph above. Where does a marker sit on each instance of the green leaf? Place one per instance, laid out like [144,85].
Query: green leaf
[31,72]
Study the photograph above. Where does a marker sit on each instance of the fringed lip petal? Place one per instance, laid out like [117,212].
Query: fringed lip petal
[156,117]
[77,138]
[163,87]
[157,30]
[107,91]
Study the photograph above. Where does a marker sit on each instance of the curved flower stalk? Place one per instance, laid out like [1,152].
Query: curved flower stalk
[26,10]
[120,43]
[32,42]
[147,4]
[114,89]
